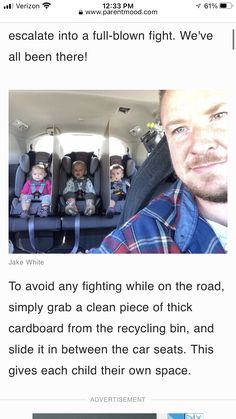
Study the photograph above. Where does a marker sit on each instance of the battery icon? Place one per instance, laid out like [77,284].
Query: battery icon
[227,5]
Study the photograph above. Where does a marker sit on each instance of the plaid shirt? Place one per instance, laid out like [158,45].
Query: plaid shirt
[171,223]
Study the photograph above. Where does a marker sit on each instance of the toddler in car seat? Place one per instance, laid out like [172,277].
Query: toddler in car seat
[79,188]
[36,188]
[118,189]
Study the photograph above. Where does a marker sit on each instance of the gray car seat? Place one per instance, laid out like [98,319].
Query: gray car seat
[79,230]
[93,168]
[28,236]
[129,173]
[11,181]
[26,162]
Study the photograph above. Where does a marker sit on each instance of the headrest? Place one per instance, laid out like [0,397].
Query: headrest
[28,160]
[41,157]
[67,164]
[93,165]
[24,162]
[115,160]
[130,168]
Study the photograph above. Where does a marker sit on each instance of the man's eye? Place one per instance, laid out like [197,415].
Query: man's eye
[179,130]
[219,115]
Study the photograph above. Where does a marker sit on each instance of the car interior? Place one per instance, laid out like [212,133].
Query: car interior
[99,128]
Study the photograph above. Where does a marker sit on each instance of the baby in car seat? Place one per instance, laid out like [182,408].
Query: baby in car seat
[119,187]
[36,188]
[79,188]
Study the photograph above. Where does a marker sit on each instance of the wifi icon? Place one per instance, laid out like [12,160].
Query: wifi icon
[46,4]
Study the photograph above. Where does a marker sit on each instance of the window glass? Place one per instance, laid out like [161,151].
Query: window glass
[44,143]
[81,142]
[117,147]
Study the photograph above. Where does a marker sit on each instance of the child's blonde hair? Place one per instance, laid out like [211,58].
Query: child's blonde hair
[41,166]
[116,167]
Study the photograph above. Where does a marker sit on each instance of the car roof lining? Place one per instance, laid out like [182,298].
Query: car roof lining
[85,111]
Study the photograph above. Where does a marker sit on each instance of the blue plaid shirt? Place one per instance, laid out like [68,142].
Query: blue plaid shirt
[171,223]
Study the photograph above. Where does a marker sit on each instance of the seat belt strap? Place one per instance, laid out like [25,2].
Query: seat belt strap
[41,185]
[77,234]
[31,233]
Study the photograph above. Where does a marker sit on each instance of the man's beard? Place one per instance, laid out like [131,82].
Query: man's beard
[210,188]
[220,196]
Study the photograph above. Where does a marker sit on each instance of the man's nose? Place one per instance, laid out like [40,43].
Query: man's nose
[202,139]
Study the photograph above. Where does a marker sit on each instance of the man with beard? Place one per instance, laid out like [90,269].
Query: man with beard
[191,217]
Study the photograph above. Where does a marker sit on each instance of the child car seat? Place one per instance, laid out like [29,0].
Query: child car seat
[92,164]
[26,162]
[129,172]
[11,181]
[35,233]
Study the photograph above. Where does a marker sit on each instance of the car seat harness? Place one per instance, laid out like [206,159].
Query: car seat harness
[37,192]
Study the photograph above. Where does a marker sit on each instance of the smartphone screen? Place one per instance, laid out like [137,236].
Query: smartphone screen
[116,119]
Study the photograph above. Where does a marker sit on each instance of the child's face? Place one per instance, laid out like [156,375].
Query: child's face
[116,174]
[38,174]
[79,171]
